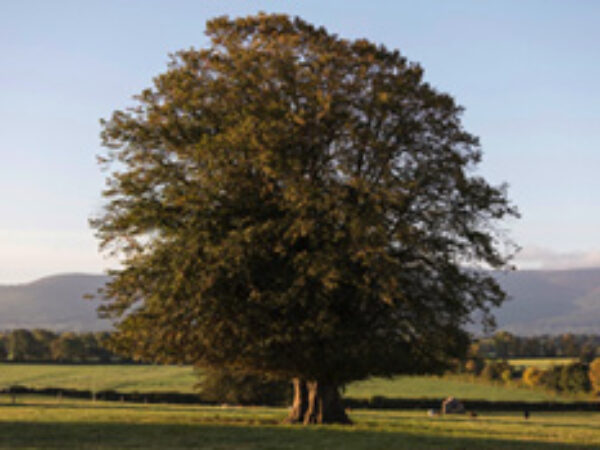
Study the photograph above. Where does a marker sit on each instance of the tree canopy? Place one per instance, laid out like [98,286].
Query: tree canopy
[292,203]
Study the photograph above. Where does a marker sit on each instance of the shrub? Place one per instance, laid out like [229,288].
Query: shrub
[506,375]
[474,366]
[594,376]
[532,376]
[574,378]
[494,370]
[551,378]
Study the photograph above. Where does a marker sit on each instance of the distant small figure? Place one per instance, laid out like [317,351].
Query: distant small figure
[472,414]
[526,414]
[432,413]
[452,406]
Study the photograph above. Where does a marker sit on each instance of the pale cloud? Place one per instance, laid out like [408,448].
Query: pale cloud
[534,257]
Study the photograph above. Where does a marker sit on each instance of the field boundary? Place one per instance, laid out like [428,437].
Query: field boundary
[377,402]
[472,405]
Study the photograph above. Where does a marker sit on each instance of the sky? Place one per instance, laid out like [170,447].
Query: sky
[526,72]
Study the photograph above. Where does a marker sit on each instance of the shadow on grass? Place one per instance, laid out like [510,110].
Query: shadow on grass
[224,437]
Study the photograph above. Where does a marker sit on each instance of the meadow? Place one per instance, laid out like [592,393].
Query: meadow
[155,378]
[540,363]
[38,422]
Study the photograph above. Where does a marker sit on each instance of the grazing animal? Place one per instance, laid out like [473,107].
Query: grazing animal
[473,414]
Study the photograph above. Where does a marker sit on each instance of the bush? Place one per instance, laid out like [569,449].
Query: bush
[551,378]
[574,378]
[496,370]
[594,375]
[240,388]
[532,376]
[506,375]
[474,366]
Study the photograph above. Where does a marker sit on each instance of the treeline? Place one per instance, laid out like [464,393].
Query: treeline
[506,345]
[489,357]
[47,346]
[573,378]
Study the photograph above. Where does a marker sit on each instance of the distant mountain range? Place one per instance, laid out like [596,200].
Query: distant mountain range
[541,302]
[550,302]
[54,303]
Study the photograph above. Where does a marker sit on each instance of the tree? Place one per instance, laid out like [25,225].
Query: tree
[68,347]
[532,376]
[21,345]
[574,378]
[594,376]
[291,203]
[44,339]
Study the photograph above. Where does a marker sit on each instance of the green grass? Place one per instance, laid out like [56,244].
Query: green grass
[124,378]
[36,422]
[441,387]
[540,363]
[130,378]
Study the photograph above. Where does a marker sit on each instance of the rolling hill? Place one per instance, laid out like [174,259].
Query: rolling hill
[540,302]
[550,302]
[54,303]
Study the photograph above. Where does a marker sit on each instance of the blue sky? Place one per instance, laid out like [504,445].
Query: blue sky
[526,71]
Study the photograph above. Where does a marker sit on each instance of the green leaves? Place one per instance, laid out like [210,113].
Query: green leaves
[294,203]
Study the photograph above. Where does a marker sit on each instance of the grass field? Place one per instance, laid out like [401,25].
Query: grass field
[129,378]
[540,363]
[36,422]
[436,387]
[124,378]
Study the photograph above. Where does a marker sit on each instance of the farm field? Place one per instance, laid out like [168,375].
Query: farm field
[148,378]
[123,378]
[441,387]
[540,363]
[36,422]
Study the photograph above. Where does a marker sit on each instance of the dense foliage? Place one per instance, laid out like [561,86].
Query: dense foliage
[506,345]
[291,203]
[37,345]
[241,388]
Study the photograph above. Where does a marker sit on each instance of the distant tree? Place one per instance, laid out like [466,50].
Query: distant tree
[43,340]
[552,378]
[3,352]
[568,345]
[21,345]
[298,205]
[496,370]
[68,348]
[574,378]
[532,376]
[505,344]
[594,376]
[102,346]
[474,365]
[588,351]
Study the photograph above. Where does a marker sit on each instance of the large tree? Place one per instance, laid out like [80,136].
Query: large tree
[295,204]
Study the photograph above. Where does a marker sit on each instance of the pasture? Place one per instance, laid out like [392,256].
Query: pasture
[154,378]
[38,422]
[540,363]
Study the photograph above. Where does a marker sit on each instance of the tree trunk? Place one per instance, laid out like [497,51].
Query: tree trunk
[316,403]
[300,403]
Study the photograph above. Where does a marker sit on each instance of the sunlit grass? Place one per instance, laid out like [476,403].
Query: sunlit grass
[37,422]
[540,363]
[154,378]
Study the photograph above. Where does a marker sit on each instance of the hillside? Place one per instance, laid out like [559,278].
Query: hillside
[550,302]
[55,303]
[540,302]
